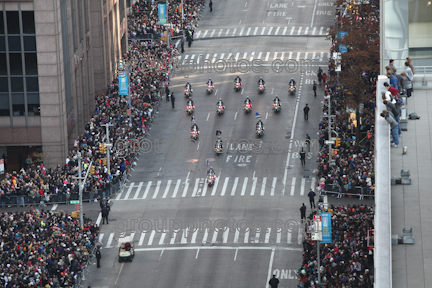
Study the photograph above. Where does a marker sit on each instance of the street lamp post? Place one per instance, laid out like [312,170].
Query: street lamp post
[80,179]
[108,145]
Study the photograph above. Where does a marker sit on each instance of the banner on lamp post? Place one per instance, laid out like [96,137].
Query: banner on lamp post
[123,83]
[162,14]
[326,227]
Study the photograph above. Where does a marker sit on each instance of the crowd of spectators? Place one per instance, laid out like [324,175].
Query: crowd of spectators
[348,260]
[43,249]
[149,65]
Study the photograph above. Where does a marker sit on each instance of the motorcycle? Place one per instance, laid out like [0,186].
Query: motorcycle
[237,86]
[292,90]
[190,109]
[218,149]
[194,134]
[210,179]
[209,89]
[220,109]
[277,107]
[261,88]
[260,131]
[188,92]
[248,107]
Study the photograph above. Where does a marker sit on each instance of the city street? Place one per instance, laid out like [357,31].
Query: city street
[247,226]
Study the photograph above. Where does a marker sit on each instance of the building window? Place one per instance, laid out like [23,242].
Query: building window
[17,36]
[18,106]
[86,8]
[80,20]
[13,22]
[33,106]
[30,43]
[31,64]
[17,84]
[4,104]
[74,26]
[28,22]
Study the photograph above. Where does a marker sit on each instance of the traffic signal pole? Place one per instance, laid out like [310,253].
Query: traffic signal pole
[330,129]
[108,145]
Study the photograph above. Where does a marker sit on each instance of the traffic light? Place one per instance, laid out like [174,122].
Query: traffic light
[92,170]
[334,152]
[104,161]
[338,140]
[102,148]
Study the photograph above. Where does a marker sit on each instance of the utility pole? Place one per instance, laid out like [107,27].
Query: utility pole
[108,145]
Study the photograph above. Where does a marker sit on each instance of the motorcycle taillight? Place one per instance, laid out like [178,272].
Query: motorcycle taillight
[213,177]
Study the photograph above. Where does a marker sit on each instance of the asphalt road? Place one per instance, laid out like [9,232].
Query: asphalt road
[245,228]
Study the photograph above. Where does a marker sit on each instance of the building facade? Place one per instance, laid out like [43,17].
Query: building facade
[53,58]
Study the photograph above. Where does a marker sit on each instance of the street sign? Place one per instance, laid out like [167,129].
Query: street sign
[77,207]
[316,236]
[74,202]
[329,142]
[333,138]
[317,218]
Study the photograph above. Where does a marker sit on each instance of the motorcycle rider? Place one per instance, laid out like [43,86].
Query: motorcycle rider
[237,79]
[188,86]
[219,143]
[292,82]
[261,81]
[195,127]
[260,124]
[247,101]
[220,103]
[210,82]
[211,171]
[276,100]
[190,102]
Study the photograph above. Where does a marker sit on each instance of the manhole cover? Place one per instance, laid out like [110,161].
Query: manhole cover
[287,137]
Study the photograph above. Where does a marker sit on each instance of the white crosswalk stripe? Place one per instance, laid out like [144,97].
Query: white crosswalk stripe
[230,187]
[271,31]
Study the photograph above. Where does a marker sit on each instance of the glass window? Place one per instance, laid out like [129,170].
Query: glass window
[2,42]
[1,23]
[28,22]
[3,67]
[31,64]
[4,84]
[17,84]
[18,106]
[32,84]
[15,63]
[12,22]
[29,43]
[4,105]
[14,43]
[33,106]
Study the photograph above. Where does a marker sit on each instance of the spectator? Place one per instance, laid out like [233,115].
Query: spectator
[407,84]
[410,76]
[345,262]
[392,67]
[43,248]
[393,80]
[388,116]
[408,59]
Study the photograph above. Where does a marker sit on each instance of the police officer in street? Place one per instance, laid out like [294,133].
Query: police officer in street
[303,212]
[98,257]
[274,282]
[303,157]
[306,112]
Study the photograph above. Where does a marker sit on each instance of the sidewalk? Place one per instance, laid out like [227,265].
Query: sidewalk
[412,264]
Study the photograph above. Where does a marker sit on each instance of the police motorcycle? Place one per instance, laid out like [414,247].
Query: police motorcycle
[237,84]
[190,107]
[218,147]
[210,177]
[210,86]
[292,87]
[194,132]
[188,90]
[277,105]
[247,105]
[259,128]
[261,85]
[220,108]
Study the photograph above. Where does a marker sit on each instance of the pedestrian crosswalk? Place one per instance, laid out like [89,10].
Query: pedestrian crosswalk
[223,187]
[223,235]
[262,31]
[319,56]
